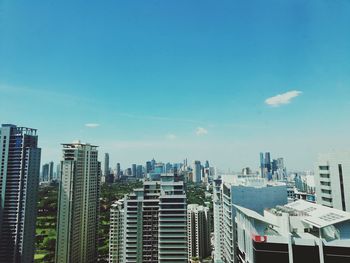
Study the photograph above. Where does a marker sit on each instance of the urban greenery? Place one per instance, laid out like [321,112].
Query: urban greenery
[46,224]
[47,216]
[196,194]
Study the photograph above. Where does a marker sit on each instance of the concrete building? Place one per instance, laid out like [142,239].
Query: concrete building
[332,181]
[154,223]
[19,180]
[118,172]
[51,167]
[106,165]
[78,204]
[250,192]
[197,172]
[148,167]
[198,224]
[116,232]
[45,173]
[218,221]
[139,171]
[58,171]
[294,233]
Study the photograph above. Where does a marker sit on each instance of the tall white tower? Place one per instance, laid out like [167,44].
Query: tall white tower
[78,204]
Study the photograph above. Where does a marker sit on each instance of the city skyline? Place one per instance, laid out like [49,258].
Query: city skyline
[186,80]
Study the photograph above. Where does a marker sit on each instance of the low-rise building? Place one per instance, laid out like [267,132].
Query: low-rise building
[298,232]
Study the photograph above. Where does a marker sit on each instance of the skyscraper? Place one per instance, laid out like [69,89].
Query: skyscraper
[45,172]
[154,223]
[118,175]
[19,179]
[198,224]
[106,165]
[51,171]
[133,170]
[116,232]
[332,181]
[218,222]
[139,171]
[262,165]
[197,172]
[78,204]
[58,171]
[148,166]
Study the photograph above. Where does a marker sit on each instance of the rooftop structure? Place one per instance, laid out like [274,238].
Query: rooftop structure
[298,232]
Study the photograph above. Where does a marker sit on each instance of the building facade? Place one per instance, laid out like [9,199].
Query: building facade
[154,224]
[197,172]
[332,181]
[78,205]
[116,232]
[247,191]
[19,180]
[198,224]
[297,232]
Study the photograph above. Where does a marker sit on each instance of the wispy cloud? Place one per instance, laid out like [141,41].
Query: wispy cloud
[201,131]
[92,125]
[282,99]
[171,136]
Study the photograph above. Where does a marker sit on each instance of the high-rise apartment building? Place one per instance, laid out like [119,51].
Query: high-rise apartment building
[332,181]
[154,223]
[116,232]
[19,180]
[198,224]
[78,205]
[218,220]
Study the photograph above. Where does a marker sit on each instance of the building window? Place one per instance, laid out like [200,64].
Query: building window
[340,169]
[324,167]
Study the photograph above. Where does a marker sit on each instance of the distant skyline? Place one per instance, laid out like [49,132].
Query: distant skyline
[180,79]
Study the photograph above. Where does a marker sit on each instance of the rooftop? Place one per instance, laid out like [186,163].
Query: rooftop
[318,215]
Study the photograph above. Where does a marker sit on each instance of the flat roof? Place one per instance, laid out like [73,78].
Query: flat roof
[254,215]
[318,215]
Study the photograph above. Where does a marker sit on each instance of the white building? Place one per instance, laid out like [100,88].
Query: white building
[198,224]
[298,232]
[332,179]
[150,224]
[78,204]
[116,232]
[218,222]
[247,191]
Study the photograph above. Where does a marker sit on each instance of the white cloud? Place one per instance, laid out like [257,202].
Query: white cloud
[171,136]
[92,125]
[201,131]
[282,99]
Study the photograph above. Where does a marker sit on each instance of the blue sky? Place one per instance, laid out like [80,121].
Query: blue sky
[176,79]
